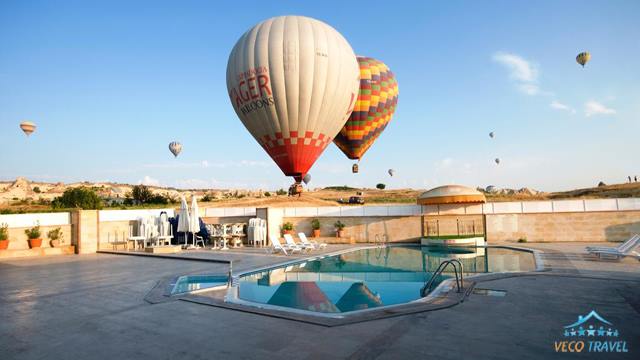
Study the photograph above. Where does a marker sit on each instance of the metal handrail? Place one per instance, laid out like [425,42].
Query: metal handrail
[230,279]
[426,289]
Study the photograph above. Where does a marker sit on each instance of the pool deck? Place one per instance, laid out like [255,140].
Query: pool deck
[93,307]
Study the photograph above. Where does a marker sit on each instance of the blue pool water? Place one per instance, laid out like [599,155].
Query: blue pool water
[185,284]
[370,278]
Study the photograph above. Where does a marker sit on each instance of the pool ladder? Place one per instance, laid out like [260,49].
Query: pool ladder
[426,289]
[380,240]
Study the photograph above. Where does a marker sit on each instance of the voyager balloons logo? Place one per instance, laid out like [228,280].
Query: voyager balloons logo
[253,91]
[292,81]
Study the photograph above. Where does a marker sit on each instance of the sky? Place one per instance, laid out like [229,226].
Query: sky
[111,83]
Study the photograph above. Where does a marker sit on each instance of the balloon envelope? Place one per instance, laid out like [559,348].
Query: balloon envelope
[306,179]
[497,160]
[492,135]
[293,82]
[583,58]
[391,172]
[377,100]
[28,127]
[175,148]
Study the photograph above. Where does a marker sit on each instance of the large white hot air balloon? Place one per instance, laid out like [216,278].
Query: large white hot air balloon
[175,148]
[293,82]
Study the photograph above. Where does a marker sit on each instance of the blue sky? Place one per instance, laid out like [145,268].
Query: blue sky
[111,83]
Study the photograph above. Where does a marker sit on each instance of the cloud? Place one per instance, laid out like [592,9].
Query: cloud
[523,72]
[207,164]
[444,163]
[519,68]
[149,181]
[560,106]
[592,108]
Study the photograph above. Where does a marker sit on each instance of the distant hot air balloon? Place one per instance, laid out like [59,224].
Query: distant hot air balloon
[306,179]
[497,160]
[376,103]
[28,127]
[293,82]
[175,148]
[583,58]
[492,135]
[391,172]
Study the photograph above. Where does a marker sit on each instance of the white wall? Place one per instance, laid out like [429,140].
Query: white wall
[29,220]
[127,215]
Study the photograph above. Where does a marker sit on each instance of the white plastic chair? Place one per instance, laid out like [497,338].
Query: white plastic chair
[291,244]
[313,245]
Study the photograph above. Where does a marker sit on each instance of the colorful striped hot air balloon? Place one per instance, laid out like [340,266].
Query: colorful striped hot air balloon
[28,127]
[377,100]
[583,58]
[292,81]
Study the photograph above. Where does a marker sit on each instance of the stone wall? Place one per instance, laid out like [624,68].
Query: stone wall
[18,239]
[364,229]
[583,226]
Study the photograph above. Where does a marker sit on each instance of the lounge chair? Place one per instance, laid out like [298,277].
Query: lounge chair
[622,250]
[292,244]
[276,246]
[313,245]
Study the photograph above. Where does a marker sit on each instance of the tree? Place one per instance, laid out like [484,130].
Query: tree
[141,194]
[381,186]
[80,197]
[37,190]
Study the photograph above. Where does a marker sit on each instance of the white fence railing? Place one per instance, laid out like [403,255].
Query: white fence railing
[28,220]
[515,207]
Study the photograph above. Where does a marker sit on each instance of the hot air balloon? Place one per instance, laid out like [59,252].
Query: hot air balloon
[391,172]
[497,160]
[293,82]
[28,127]
[175,148]
[376,103]
[492,135]
[306,179]
[583,58]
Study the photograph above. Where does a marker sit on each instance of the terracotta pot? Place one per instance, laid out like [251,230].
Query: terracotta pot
[55,243]
[35,243]
[290,232]
[4,244]
[340,233]
[316,233]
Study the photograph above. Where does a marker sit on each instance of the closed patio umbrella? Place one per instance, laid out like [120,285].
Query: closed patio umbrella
[183,218]
[194,219]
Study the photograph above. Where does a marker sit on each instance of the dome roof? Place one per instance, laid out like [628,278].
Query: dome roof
[451,194]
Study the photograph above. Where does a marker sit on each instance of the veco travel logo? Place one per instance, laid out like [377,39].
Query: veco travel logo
[591,333]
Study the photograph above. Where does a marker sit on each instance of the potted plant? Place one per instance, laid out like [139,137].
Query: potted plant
[56,236]
[315,225]
[33,234]
[339,228]
[287,228]
[4,236]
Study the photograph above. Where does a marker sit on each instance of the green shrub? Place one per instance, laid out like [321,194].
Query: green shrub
[340,188]
[55,234]
[281,192]
[288,226]
[381,186]
[315,224]
[80,197]
[33,233]
[4,232]
[522,240]
[267,194]
[339,225]
[36,190]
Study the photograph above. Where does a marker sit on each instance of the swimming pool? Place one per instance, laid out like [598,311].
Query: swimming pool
[195,283]
[369,278]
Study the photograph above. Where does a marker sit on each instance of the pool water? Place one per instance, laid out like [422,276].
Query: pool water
[370,278]
[191,283]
